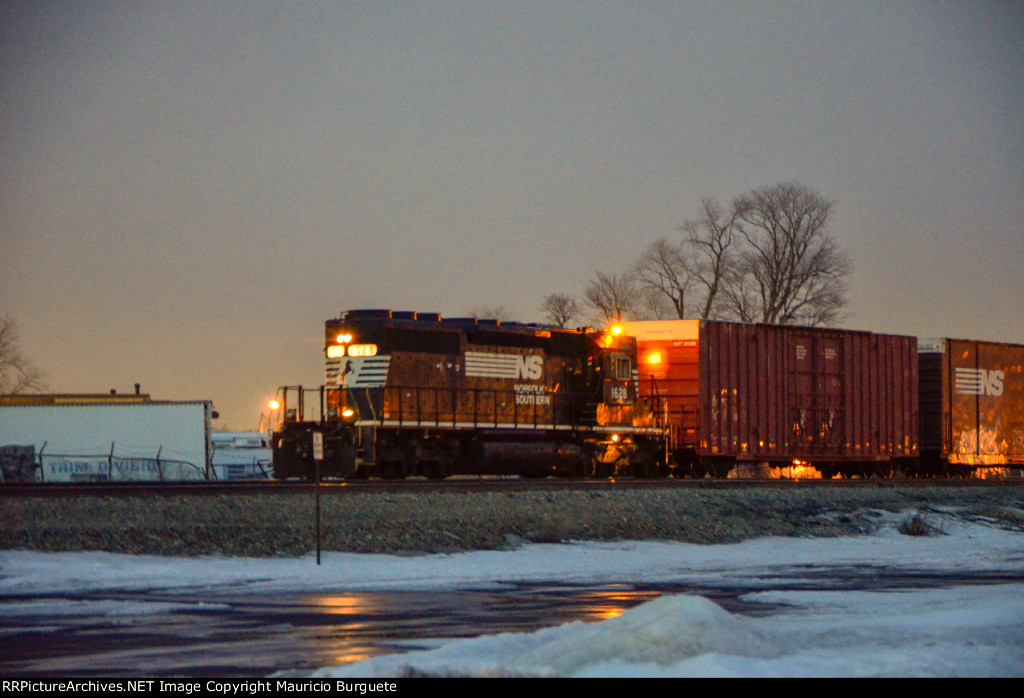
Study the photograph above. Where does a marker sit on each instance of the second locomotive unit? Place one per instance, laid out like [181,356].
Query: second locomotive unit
[417,394]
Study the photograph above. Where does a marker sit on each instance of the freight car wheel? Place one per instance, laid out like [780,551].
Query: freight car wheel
[716,467]
[883,470]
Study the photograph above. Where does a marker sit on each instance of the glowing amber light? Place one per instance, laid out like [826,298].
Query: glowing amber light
[344,338]
[616,329]
[335,352]
[274,404]
[654,358]
[362,350]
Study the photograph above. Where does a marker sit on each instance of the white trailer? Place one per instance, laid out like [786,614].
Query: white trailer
[241,455]
[106,441]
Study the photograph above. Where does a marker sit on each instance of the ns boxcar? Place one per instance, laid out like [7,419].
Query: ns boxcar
[843,401]
[972,405]
[413,393]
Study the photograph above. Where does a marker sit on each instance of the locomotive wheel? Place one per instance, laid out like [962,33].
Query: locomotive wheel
[437,470]
[583,469]
[587,469]
[361,472]
[392,470]
[602,470]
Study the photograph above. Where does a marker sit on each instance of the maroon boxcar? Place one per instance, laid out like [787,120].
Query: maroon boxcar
[844,401]
[972,405]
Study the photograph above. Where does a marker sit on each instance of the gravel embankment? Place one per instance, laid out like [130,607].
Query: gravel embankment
[260,525]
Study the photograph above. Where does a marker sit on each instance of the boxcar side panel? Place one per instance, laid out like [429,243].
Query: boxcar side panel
[983,402]
[784,393]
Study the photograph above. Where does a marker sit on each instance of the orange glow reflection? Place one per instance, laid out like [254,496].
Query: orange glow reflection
[605,605]
[342,605]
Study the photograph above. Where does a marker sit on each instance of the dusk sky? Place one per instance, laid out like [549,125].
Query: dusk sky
[189,189]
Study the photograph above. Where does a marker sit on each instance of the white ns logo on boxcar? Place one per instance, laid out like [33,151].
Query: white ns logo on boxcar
[978,381]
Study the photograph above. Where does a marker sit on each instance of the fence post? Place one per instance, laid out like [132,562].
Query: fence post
[42,470]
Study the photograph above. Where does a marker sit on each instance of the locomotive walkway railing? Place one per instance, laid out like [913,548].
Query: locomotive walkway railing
[524,407]
[480,407]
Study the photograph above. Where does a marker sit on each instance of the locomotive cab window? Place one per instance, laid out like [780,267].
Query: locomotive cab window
[621,368]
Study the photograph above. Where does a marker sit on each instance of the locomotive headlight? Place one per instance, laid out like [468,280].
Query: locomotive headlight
[344,338]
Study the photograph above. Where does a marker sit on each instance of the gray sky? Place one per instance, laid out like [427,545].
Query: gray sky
[190,189]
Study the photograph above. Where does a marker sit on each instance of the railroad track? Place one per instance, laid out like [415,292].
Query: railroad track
[467,484]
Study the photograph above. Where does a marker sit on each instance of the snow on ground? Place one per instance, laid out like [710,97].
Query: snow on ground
[957,630]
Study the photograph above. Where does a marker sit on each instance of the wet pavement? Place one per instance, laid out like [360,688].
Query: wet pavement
[211,633]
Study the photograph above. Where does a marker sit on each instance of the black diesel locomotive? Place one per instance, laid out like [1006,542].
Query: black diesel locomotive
[417,394]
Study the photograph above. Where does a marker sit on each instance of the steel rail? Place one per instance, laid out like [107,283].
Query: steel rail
[465,484]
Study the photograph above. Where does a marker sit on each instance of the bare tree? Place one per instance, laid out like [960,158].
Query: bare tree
[560,309]
[613,297]
[17,373]
[738,294]
[711,237]
[690,274]
[663,270]
[768,257]
[653,305]
[790,261]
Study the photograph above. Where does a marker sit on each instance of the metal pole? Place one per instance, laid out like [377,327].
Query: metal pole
[318,455]
[318,513]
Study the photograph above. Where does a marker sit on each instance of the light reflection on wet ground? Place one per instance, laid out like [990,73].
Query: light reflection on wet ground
[214,634]
[255,635]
